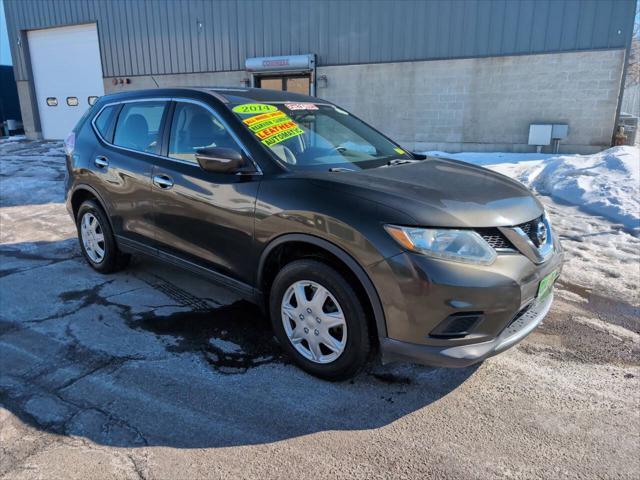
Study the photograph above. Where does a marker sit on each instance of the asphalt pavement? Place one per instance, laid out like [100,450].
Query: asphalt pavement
[153,373]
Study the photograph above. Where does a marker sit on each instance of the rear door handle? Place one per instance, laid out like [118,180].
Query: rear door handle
[101,162]
[163,181]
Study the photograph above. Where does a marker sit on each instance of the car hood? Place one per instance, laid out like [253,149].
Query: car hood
[442,193]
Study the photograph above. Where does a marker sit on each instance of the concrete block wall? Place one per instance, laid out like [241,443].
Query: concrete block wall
[207,79]
[484,104]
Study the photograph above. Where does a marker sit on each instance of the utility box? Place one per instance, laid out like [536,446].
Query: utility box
[540,134]
[560,131]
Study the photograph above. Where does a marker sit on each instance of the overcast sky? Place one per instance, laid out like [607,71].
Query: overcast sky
[5,54]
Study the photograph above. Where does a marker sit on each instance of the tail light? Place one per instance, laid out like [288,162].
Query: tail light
[70,143]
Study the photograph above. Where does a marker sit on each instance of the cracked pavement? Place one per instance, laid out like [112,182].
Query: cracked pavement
[155,373]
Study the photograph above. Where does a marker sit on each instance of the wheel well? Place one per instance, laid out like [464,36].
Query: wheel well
[79,196]
[290,251]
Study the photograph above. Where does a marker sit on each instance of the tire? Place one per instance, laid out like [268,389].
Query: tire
[312,334]
[112,259]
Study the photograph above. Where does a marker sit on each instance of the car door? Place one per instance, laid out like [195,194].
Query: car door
[124,162]
[203,217]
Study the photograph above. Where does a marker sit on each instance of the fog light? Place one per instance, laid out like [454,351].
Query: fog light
[457,325]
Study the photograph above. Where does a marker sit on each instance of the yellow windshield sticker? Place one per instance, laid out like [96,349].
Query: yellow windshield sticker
[271,126]
[279,133]
[253,108]
[258,122]
[399,150]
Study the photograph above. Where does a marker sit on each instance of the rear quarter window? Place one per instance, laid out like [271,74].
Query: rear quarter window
[83,119]
[104,121]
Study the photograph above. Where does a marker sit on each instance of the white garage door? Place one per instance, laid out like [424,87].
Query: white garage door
[67,72]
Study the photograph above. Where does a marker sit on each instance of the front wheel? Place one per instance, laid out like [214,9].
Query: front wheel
[319,320]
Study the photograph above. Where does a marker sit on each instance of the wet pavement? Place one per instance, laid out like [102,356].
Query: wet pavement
[156,373]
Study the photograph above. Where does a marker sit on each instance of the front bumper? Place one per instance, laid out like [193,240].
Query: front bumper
[420,293]
[465,355]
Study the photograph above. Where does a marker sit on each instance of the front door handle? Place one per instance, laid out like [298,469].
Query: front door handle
[163,181]
[101,162]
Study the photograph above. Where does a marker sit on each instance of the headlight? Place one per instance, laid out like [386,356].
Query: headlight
[458,245]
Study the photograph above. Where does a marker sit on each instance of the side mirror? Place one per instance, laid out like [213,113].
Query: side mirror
[220,160]
[419,156]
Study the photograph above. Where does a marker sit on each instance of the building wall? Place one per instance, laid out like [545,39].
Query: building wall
[457,75]
[484,104]
[140,37]
[208,79]
[30,121]
[631,100]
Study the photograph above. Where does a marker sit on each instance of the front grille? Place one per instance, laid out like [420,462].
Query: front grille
[494,238]
[530,228]
[498,241]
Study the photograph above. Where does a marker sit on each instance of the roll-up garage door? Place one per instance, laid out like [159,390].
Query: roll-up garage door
[67,75]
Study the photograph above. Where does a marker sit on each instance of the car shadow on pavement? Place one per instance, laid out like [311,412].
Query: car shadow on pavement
[134,359]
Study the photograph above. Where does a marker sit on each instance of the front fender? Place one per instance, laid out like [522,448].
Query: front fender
[347,259]
[347,226]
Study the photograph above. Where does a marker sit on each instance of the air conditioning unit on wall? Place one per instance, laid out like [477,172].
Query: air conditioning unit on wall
[541,134]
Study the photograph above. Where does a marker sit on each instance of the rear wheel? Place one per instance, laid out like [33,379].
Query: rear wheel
[319,320]
[97,242]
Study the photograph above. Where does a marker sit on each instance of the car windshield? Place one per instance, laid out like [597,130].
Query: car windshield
[317,136]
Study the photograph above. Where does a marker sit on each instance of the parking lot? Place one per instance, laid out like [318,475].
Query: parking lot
[155,373]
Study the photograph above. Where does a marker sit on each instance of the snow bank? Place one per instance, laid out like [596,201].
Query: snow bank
[491,158]
[605,183]
[15,138]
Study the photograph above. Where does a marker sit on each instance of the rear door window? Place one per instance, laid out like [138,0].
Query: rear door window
[138,126]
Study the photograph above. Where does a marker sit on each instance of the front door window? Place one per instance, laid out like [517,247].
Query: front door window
[194,127]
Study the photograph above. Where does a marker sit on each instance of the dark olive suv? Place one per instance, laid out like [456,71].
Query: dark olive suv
[352,244]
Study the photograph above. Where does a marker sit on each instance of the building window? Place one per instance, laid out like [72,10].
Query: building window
[72,101]
[52,101]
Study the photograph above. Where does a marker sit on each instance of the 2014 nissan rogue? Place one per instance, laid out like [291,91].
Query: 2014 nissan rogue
[352,244]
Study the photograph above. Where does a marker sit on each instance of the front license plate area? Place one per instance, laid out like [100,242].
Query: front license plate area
[546,284]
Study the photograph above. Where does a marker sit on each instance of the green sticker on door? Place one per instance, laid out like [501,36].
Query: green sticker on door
[254,108]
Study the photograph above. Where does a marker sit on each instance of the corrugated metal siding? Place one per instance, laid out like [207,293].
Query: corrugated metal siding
[165,36]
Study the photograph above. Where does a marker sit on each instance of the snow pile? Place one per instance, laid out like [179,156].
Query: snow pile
[15,138]
[491,158]
[605,183]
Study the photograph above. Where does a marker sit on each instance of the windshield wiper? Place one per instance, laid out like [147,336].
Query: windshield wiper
[399,161]
[341,169]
